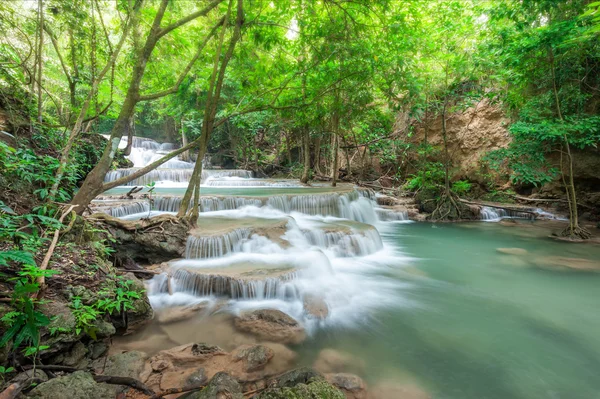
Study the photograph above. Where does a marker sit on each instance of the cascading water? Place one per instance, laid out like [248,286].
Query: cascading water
[325,242]
[215,246]
[491,214]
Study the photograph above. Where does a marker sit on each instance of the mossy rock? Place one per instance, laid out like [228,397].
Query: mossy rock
[77,385]
[317,388]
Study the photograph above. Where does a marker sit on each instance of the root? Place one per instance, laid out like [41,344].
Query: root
[577,233]
[447,203]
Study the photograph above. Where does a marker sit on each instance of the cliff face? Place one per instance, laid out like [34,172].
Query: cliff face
[471,134]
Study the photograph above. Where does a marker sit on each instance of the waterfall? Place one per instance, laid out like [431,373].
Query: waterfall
[215,246]
[232,287]
[494,214]
[129,209]
[207,204]
[174,175]
[391,215]
[346,244]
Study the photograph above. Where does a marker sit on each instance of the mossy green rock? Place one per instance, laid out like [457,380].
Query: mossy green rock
[78,385]
[315,389]
[222,385]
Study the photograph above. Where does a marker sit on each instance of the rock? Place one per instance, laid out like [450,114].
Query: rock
[28,375]
[294,377]
[63,323]
[564,263]
[141,313]
[97,349]
[173,367]
[332,361]
[76,354]
[127,364]
[254,357]
[314,387]
[197,378]
[221,386]
[512,251]
[77,385]
[315,307]
[104,329]
[351,385]
[272,325]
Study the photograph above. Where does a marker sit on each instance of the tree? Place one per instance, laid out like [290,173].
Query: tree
[93,184]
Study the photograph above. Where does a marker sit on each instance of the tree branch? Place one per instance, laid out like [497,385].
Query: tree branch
[148,168]
[60,57]
[187,69]
[189,18]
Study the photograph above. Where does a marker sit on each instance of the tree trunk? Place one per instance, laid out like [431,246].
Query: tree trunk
[213,96]
[92,185]
[185,156]
[288,147]
[130,134]
[317,161]
[306,151]
[446,153]
[334,149]
[40,56]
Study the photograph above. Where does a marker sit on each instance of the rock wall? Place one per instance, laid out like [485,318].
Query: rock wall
[471,134]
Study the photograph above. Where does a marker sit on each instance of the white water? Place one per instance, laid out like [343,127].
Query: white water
[330,246]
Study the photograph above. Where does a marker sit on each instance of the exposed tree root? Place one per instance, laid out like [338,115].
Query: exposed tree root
[576,233]
[136,225]
[447,203]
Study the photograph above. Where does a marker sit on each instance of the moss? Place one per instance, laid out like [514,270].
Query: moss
[315,389]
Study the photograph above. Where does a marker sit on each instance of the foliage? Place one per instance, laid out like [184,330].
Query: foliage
[25,322]
[115,297]
[461,187]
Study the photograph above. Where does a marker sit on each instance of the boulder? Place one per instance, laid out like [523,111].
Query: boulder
[104,329]
[141,313]
[77,385]
[63,323]
[24,377]
[221,386]
[301,383]
[271,325]
[333,361]
[351,385]
[297,376]
[315,307]
[253,357]
[127,364]
[76,355]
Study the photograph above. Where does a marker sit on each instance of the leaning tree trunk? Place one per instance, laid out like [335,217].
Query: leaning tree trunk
[213,96]
[40,56]
[130,134]
[92,185]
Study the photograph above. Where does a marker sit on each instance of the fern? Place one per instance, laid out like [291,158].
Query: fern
[23,257]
